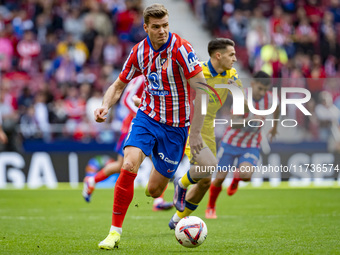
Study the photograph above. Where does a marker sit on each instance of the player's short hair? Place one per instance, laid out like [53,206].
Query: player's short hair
[219,44]
[263,78]
[157,11]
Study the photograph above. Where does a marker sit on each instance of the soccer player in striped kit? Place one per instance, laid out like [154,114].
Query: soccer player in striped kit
[160,128]
[103,166]
[243,143]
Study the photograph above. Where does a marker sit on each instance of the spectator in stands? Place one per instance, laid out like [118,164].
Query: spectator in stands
[25,99]
[328,115]
[305,37]
[6,52]
[100,20]
[213,13]
[137,32]
[29,126]
[9,115]
[335,9]
[86,76]
[238,26]
[76,50]
[256,38]
[271,60]
[74,24]
[41,115]
[28,49]
[316,79]
[113,52]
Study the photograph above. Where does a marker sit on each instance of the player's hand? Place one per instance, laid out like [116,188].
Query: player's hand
[272,133]
[196,143]
[136,100]
[99,114]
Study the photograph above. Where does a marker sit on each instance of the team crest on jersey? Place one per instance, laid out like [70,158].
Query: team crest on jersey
[192,59]
[164,63]
[153,80]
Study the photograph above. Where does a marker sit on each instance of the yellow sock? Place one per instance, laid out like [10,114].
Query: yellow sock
[147,191]
[185,213]
[186,180]
[189,208]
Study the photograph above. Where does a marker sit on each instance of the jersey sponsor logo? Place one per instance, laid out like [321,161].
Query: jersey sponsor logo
[159,92]
[166,159]
[153,80]
[192,59]
[170,171]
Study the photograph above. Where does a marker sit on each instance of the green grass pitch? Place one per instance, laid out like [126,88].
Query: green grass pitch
[253,221]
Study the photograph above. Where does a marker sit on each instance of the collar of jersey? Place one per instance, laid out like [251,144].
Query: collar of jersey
[213,71]
[163,46]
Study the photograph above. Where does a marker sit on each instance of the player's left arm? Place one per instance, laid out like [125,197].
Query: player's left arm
[195,139]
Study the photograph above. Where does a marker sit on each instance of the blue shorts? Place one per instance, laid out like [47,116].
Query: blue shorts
[164,142]
[227,154]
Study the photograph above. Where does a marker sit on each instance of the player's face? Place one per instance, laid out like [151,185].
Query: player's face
[158,31]
[259,90]
[228,57]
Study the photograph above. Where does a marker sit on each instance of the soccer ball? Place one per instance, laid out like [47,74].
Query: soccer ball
[191,231]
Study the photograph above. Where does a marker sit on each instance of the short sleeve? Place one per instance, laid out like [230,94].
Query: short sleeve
[187,59]
[130,69]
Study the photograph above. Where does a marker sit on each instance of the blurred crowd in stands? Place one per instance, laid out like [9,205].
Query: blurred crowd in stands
[57,58]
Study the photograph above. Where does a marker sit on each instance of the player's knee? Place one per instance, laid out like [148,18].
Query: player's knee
[246,177]
[155,192]
[128,166]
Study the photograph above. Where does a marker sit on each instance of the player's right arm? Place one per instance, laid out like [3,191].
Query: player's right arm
[111,96]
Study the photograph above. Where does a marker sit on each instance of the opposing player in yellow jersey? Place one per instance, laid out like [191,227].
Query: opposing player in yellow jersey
[218,70]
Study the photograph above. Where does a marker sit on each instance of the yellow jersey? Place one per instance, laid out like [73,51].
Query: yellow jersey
[213,78]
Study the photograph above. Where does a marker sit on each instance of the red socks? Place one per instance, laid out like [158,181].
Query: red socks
[237,176]
[100,176]
[213,194]
[122,196]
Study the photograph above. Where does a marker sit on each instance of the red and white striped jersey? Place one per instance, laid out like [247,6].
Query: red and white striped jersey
[166,96]
[248,137]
